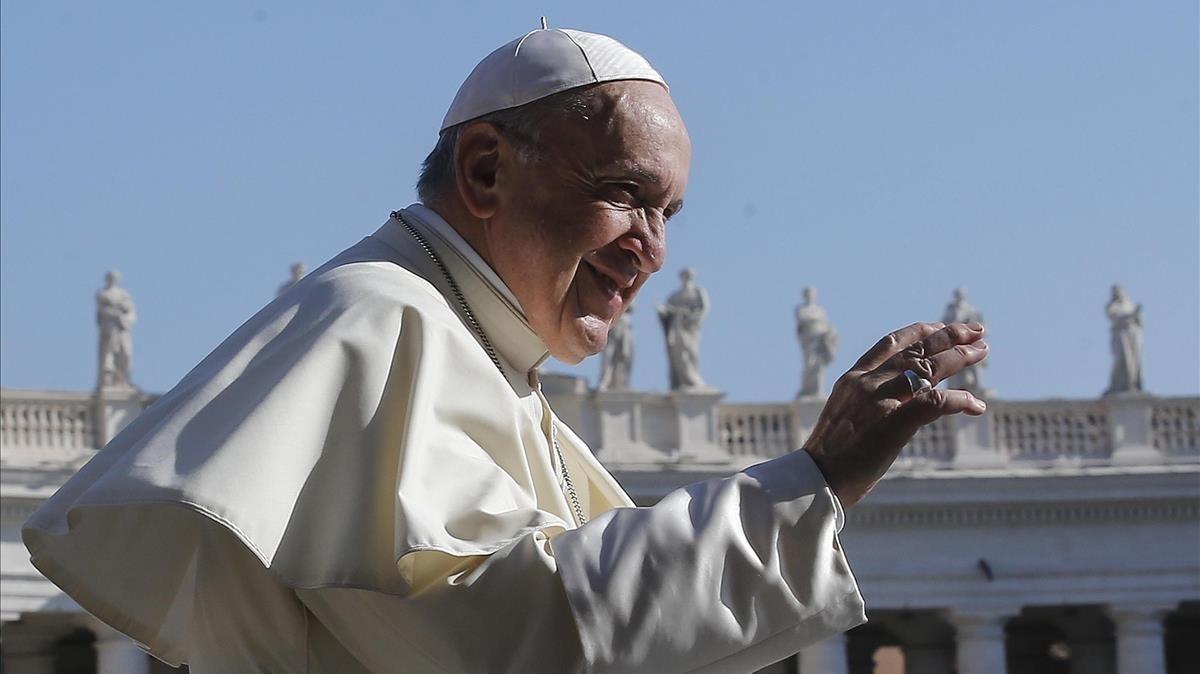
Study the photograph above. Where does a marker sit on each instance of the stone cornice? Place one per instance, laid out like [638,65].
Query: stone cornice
[943,515]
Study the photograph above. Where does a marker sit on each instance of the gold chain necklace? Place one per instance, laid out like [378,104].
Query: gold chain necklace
[473,323]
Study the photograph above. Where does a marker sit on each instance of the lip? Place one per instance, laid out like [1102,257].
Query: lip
[609,289]
[621,279]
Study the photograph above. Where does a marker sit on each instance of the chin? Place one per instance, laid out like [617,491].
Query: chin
[585,337]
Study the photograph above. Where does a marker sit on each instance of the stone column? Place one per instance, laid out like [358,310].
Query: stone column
[825,657]
[1140,647]
[981,640]
[117,653]
[121,656]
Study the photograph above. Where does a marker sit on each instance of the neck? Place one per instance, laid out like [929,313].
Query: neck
[468,226]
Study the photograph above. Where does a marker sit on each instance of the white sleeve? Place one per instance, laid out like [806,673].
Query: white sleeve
[728,574]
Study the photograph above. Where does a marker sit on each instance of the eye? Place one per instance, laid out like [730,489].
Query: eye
[627,192]
[670,211]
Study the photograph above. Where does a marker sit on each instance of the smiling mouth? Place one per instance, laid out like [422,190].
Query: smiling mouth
[619,282]
[607,283]
[610,288]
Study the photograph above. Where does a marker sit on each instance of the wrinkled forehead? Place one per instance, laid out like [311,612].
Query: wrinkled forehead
[629,125]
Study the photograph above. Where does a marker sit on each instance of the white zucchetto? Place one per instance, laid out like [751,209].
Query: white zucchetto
[544,62]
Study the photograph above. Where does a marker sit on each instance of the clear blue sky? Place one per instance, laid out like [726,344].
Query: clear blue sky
[1032,152]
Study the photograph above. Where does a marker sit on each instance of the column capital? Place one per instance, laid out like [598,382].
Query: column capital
[981,617]
[1140,647]
[1139,618]
[981,637]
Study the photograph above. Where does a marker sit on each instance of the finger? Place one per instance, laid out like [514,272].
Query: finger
[916,356]
[898,387]
[950,336]
[932,405]
[936,369]
[894,342]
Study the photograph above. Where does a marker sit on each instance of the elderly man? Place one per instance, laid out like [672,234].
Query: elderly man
[366,476]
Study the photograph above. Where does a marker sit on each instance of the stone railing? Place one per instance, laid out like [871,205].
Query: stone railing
[1134,429]
[766,430]
[773,429]
[60,426]
[47,420]
[1052,430]
[935,443]
[628,428]
[1175,426]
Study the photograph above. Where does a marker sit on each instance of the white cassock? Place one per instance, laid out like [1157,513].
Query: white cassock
[349,484]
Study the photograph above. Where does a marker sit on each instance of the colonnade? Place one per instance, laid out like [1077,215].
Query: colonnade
[53,642]
[1117,639]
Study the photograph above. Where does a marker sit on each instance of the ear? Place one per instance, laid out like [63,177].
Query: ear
[478,156]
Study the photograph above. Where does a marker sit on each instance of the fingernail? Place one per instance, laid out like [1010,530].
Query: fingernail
[977,327]
[981,345]
[980,405]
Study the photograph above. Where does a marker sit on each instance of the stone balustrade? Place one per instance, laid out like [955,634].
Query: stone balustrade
[679,427]
[1126,429]
[50,420]
[1053,430]
[766,430]
[1175,426]
[63,427]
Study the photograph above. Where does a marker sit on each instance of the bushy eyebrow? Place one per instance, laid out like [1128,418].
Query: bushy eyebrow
[635,172]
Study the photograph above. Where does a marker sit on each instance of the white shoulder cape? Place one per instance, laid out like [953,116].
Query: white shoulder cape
[351,422]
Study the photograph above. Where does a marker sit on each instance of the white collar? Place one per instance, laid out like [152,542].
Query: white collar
[436,222]
[519,347]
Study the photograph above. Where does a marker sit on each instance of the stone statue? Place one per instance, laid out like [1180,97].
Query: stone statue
[961,311]
[115,316]
[818,341]
[681,317]
[618,355]
[298,272]
[1126,320]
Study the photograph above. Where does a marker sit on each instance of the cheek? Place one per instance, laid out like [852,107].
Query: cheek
[568,235]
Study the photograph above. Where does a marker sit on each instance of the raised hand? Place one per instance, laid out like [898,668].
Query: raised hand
[873,410]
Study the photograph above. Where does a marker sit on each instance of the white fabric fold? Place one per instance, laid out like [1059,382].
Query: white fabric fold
[726,575]
[350,466]
[729,574]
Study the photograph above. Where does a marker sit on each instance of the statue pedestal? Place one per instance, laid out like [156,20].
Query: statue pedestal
[1129,424]
[696,438]
[807,412]
[115,408]
[658,428]
[619,426]
[973,443]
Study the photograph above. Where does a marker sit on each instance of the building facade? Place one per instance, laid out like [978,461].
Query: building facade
[1046,536]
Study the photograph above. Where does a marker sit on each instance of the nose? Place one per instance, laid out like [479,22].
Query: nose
[647,246]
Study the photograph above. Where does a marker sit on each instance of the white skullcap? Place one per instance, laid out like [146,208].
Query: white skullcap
[541,63]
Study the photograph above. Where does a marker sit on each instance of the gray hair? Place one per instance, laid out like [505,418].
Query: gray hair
[520,125]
